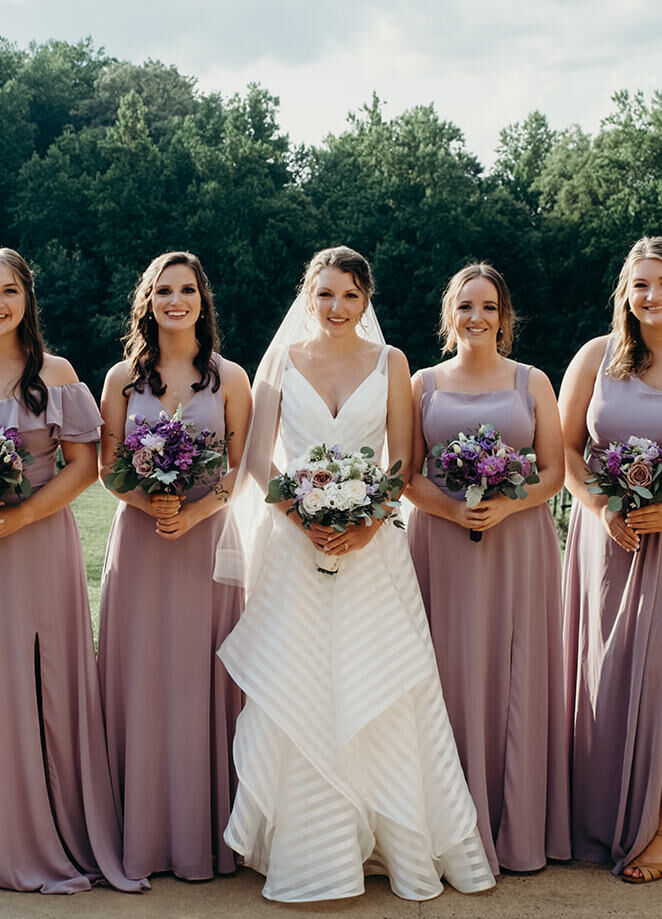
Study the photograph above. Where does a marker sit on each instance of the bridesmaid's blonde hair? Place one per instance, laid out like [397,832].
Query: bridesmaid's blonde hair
[629,353]
[507,316]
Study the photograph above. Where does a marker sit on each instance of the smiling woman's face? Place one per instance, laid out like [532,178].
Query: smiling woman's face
[176,300]
[476,313]
[645,292]
[12,301]
[337,302]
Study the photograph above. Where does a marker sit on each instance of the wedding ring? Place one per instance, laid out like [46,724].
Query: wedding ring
[346,546]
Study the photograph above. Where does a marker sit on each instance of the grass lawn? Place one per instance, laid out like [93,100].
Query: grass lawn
[94,511]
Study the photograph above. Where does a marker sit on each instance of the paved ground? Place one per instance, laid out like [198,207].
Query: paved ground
[577,891]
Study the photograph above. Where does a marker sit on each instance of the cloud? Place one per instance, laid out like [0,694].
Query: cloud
[483,64]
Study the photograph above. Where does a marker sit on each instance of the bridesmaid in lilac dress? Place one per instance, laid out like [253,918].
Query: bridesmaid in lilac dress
[59,829]
[495,606]
[613,586]
[170,706]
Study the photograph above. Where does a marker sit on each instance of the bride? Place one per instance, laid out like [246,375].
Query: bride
[345,757]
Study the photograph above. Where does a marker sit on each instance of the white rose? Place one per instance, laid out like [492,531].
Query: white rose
[313,501]
[354,491]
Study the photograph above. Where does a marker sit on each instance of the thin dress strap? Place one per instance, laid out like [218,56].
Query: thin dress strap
[522,377]
[381,361]
[428,379]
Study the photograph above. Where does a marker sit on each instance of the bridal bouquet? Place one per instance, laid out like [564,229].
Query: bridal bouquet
[630,473]
[170,456]
[13,460]
[484,465]
[334,488]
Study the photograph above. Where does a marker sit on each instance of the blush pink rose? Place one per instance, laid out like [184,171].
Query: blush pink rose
[321,478]
[142,461]
[639,473]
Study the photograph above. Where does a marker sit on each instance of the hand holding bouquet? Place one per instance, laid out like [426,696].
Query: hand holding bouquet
[13,460]
[484,465]
[337,489]
[171,456]
[630,474]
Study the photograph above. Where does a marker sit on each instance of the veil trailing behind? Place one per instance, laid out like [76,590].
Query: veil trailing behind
[260,462]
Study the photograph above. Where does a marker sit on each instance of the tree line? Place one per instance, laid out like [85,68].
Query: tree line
[105,163]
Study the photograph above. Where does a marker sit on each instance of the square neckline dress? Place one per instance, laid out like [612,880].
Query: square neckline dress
[494,609]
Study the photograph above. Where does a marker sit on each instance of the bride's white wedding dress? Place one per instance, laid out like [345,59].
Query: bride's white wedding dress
[344,753]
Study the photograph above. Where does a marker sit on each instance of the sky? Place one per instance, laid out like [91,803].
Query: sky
[484,65]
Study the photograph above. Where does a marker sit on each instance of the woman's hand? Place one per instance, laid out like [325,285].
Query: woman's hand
[12,519]
[355,537]
[646,519]
[485,515]
[172,526]
[620,531]
[163,506]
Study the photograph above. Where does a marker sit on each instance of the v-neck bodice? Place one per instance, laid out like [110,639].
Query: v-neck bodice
[361,420]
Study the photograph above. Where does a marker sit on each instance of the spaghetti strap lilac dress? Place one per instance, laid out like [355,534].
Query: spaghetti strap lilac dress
[613,643]
[170,705]
[495,615]
[59,828]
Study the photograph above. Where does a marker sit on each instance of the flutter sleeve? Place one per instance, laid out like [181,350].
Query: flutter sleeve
[72,414]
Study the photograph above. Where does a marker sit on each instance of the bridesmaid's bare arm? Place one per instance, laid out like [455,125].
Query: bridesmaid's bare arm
[78,474]
[576,393]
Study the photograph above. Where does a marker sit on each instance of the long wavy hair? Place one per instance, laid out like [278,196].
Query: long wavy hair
[450,297]
[141,344]
[32,389]
[345,259]
[629,352]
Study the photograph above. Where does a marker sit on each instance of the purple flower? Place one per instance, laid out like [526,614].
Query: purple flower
[449,460]
[613,460]
[13,435]
[526,465]
[492,468]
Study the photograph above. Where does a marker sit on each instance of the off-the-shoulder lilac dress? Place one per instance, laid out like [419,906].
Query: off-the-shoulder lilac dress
[613,644]
[59,828]
[170,705]
[495,616]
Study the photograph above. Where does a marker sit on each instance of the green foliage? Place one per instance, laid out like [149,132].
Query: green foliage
[106,163]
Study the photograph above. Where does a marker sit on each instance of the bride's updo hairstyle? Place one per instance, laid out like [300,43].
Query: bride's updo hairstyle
[141,345]
[346,260]
[34,394]
[630,354]
[449,300]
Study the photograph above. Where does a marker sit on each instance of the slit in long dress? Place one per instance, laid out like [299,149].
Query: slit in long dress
[44,753]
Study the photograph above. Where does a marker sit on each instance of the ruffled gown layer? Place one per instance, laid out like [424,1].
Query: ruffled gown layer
[613,638]
[495,616]
[170,705]
[344,753]
[60,829]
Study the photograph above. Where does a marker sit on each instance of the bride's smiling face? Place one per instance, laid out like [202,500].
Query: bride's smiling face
[337,302]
